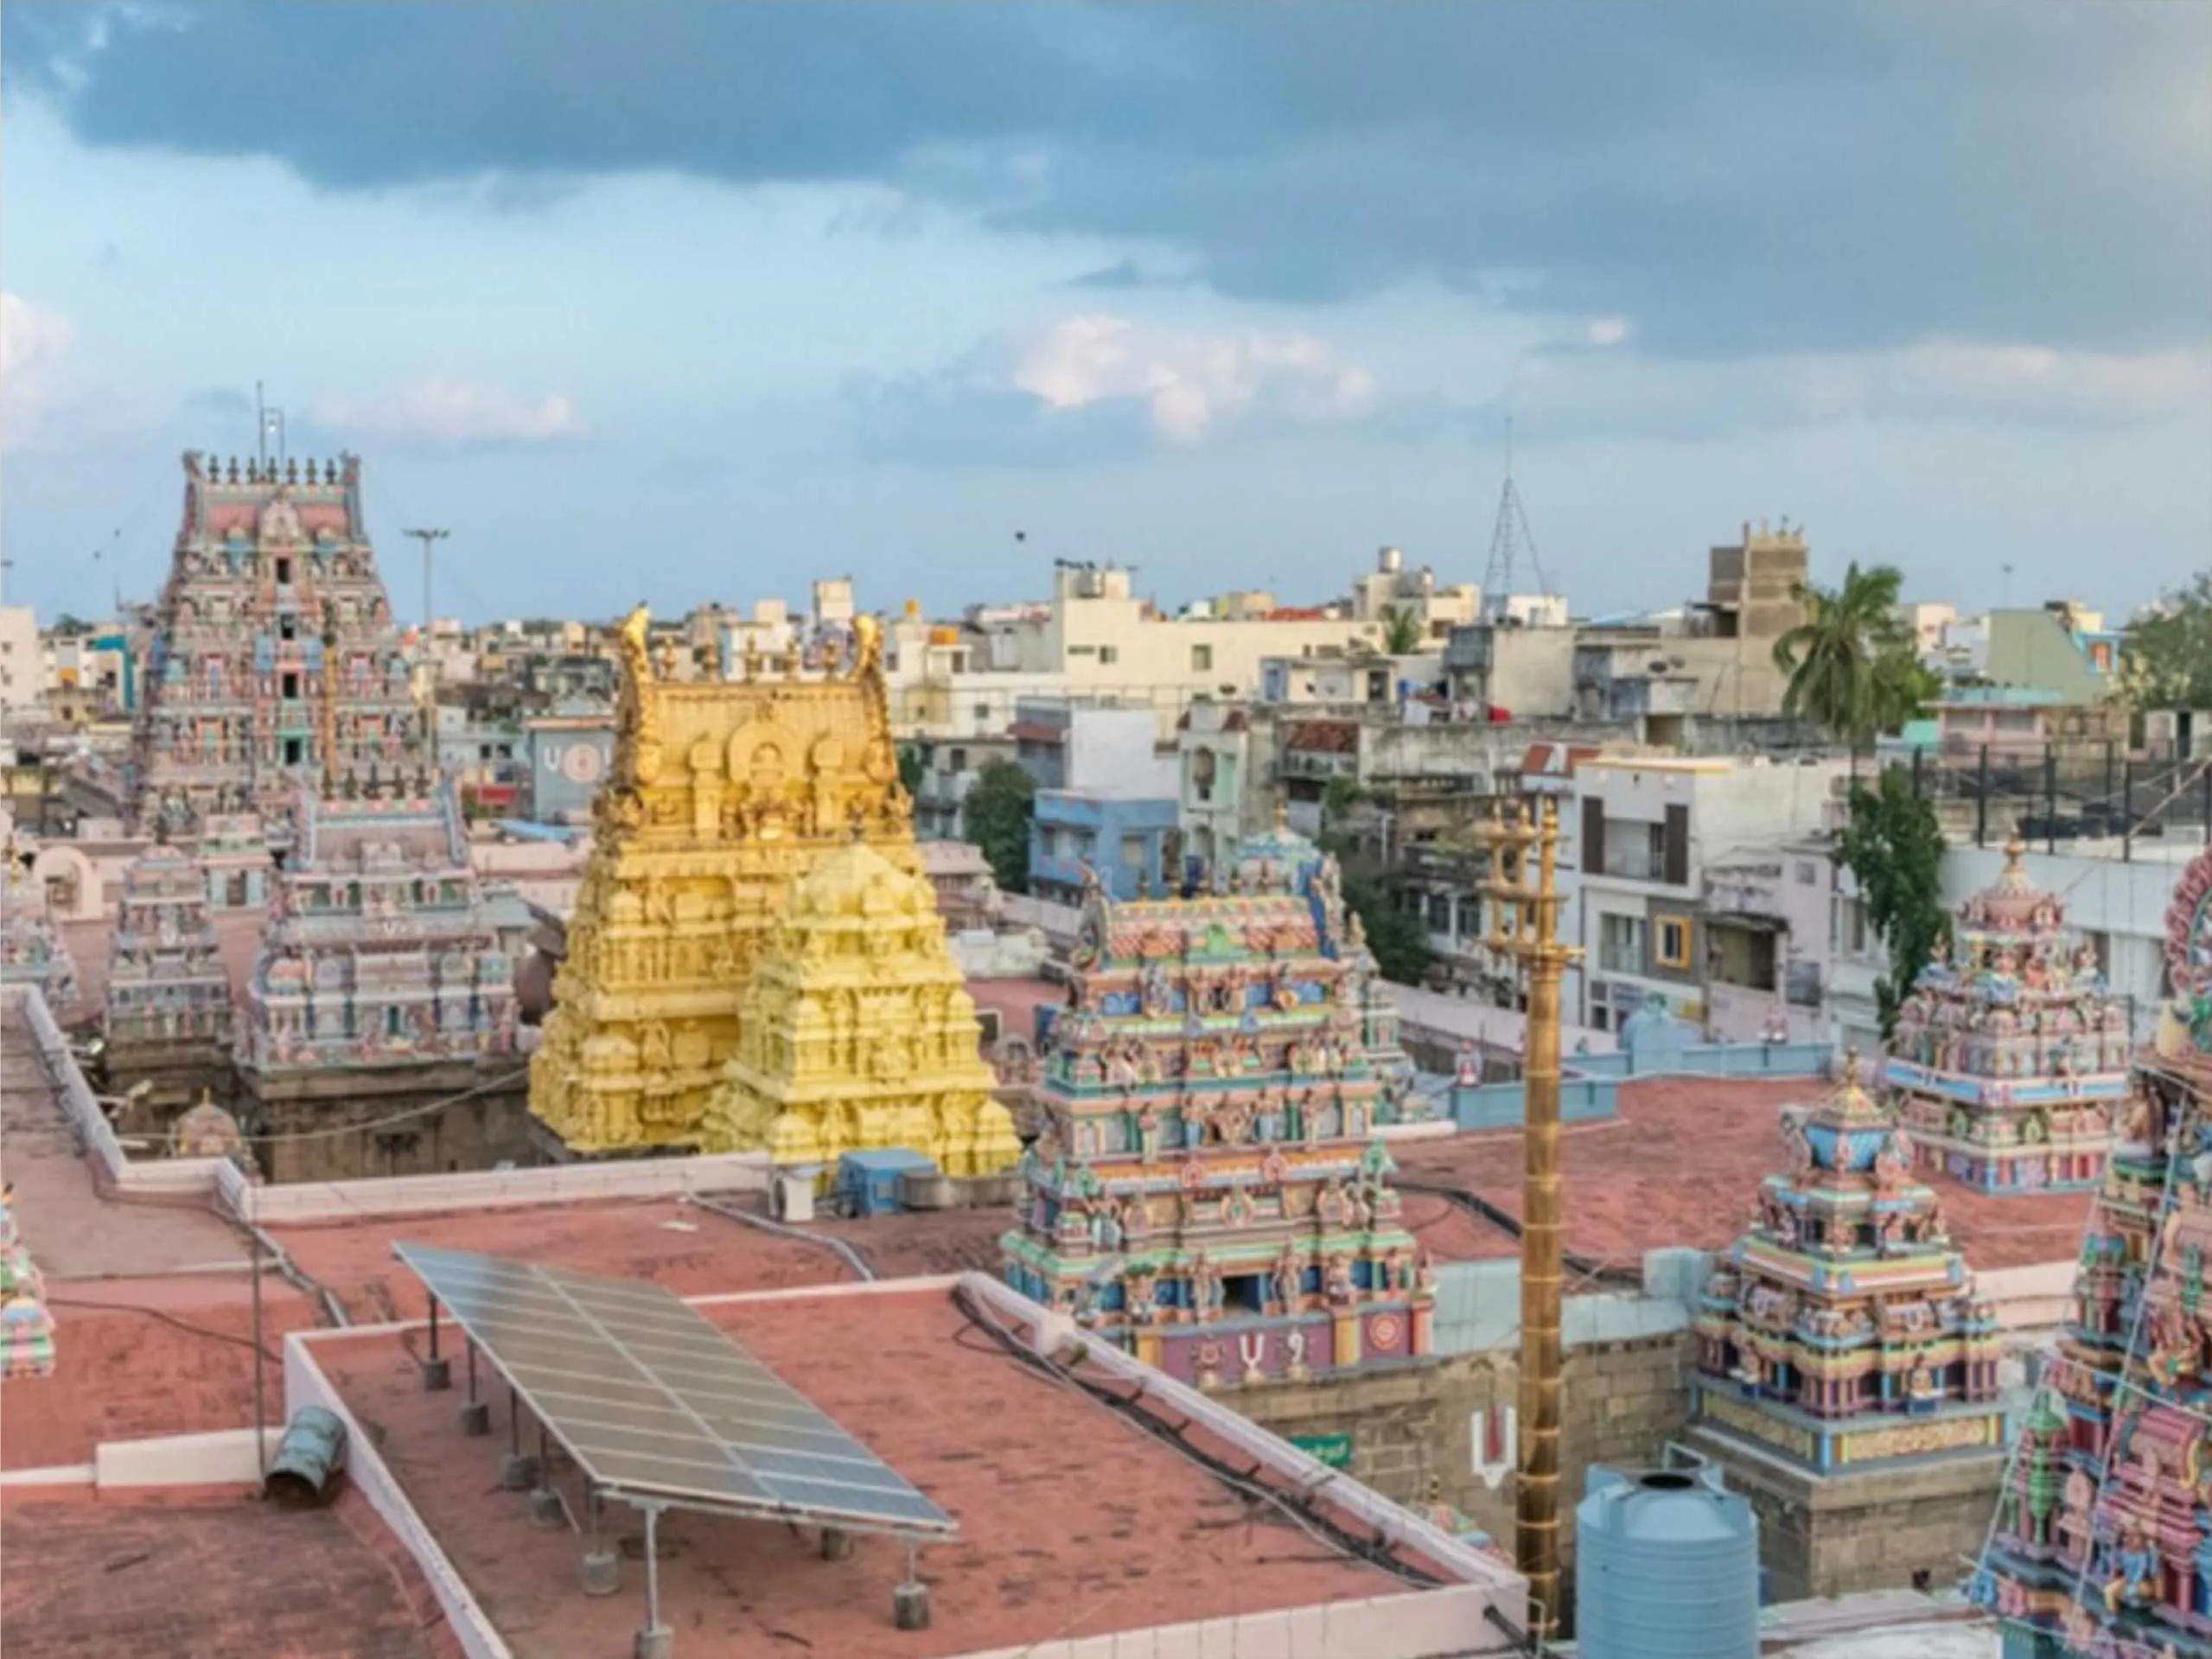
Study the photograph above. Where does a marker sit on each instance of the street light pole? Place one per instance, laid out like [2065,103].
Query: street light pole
[429,539]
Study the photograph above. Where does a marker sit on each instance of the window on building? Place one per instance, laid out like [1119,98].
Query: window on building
[291,686]
[1807,872]
[288,626]
[1132,852]
[1109,653]
[1849,928]
[982,713]
[1621,943]
[284,570]
[1201,659]
[295,750]
[958,759]
[1673,941]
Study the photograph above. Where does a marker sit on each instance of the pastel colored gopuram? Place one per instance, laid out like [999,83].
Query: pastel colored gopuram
[166,1013]
[2010,1055]
[2101,1546]
[1208,1189]
[855,1032]
[721,792]
[379,952]
[1842,1331]
[32,950]
[270,560]
[26,1325]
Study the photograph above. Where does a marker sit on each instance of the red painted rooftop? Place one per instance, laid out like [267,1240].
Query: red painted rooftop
[208,1575]
[1679,1166]
[1073,1520]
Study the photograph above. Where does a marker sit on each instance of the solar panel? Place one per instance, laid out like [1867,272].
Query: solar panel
[653,1401]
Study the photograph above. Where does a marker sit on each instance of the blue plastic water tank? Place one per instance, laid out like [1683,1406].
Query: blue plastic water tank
[1667,1566]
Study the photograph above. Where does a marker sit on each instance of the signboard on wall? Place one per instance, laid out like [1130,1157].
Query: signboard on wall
[1335,1450]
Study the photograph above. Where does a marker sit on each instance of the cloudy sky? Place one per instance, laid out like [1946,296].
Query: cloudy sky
[691,301]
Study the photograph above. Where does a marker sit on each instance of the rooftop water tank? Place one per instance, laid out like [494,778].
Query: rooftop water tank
[1667,1566]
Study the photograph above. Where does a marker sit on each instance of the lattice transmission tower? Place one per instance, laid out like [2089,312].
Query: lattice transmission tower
[1510,543]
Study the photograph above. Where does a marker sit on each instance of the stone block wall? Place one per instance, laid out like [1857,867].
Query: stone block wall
[1877,1529]
[1620,1401]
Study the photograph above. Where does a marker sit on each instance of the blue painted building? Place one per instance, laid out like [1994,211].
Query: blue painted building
[1130,841]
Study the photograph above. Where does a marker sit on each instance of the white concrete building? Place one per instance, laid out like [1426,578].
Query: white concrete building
[23,663]
[1643,830]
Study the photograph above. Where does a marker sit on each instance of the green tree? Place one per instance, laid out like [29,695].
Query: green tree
[1401,630]
[1853,669]
[910,769]
[1894,846]
[1394,932]
[995,815]
[1394,929]
[2169,651]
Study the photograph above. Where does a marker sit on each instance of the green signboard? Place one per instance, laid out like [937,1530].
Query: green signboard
[1335,1450]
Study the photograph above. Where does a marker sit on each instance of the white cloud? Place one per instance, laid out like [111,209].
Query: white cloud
[1607,331]
[1190,384]
[33,341]
[458,415]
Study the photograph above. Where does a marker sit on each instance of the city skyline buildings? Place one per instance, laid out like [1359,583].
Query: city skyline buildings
[886,337]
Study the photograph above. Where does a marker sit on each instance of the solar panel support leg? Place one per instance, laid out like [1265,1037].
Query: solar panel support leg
[518,1473]
[910,1600]
[602,1568]
[837,1543]
[656,1640]
[437,1373]
[476,1415]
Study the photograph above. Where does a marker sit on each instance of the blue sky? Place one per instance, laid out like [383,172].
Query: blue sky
[684,302]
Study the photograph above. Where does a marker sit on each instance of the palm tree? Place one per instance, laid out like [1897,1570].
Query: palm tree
[1401,631]
[1852,669]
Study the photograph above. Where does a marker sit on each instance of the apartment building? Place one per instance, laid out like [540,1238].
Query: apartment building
[1107,798]
[1644,829]
[23,669]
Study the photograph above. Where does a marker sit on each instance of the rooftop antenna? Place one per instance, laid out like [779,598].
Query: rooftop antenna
[1508,539]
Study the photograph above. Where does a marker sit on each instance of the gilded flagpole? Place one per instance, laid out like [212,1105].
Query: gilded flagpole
[1524,926]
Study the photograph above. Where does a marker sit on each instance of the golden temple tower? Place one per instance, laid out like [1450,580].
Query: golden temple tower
[721,793]
[855,1032]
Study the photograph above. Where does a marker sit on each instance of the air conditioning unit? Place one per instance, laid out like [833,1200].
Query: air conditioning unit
[791,1194]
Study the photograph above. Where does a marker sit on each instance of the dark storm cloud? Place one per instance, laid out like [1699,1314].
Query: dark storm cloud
[1739,179]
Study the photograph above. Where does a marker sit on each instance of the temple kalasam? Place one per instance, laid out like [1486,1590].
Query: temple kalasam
[725,796]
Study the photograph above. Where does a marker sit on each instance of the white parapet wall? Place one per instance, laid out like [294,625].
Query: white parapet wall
[225,1458]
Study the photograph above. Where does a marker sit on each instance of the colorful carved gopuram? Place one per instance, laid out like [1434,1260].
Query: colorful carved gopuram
[270,560]
[32,950]
[1208,1189]
[379,976]
[2120,1565]
[166,1009]
[1842,1329]
[2010,1057]
[721,792]
[855,1032]
[26,1326]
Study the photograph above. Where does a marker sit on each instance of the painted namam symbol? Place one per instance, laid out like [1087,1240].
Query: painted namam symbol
[1497,1438]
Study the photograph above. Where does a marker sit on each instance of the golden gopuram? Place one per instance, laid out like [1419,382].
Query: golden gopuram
[723,796]
[855,1031]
